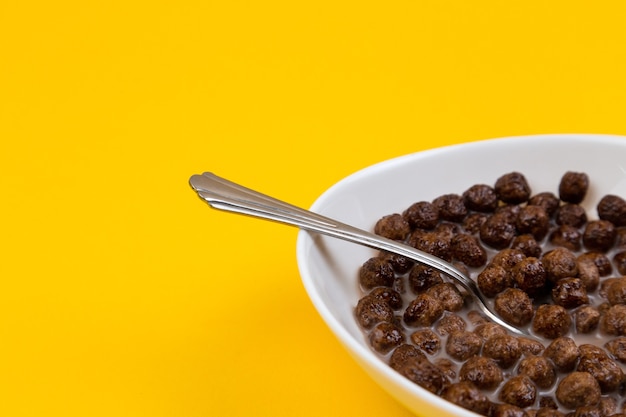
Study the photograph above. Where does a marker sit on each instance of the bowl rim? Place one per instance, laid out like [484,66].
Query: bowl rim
[360,352]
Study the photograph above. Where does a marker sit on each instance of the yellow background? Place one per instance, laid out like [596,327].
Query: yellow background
[122,294]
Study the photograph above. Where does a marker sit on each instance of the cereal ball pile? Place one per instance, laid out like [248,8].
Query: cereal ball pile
[544,262]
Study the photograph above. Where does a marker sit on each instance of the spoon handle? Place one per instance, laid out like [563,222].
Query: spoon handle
[226,195]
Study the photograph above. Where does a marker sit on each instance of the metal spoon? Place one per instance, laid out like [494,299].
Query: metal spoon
[225,195]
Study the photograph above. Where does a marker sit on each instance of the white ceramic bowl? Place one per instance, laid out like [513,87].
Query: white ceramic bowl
[329,266]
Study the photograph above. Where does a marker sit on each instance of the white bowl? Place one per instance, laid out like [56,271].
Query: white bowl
[329,266]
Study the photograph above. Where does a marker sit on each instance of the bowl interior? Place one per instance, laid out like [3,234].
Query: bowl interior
[329,266]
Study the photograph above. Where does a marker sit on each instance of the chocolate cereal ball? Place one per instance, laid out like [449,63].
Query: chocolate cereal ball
[572,215]
[519,391]
[476,318]
[573,187]
[376,272]
[473,222]
[605,285]
[388,295]
[493,280]
[617,348]
[446,230]
[497,231]
[588,273]
[527,244]
[548,408]
[450,323]
[467,249]
[432,243]
[400,264]
[463,345]
[551,321]
[586,319]
[447,367]
[599,235]
[488,329]
[613,321]
[482,372]
[509,212]
[386,336]
[514,306]
[422,215]
[448,296]
[616,291]
[530,276]
[533,220]
[570,293]
[451,207]
[424,310]
[371,311]
[566,236]
[530,347]
[578,389]
[393,226]
[422,277]
[590,350]
[607,406]
[503,349]
[564,353]
[426,340]
[512,188]
[560,263]
[424,373]
[507,258]
[539,369]
[469,396]
[547,200]
[481,198]
[402,353]
[600,260]
[612,208]
[604,369]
